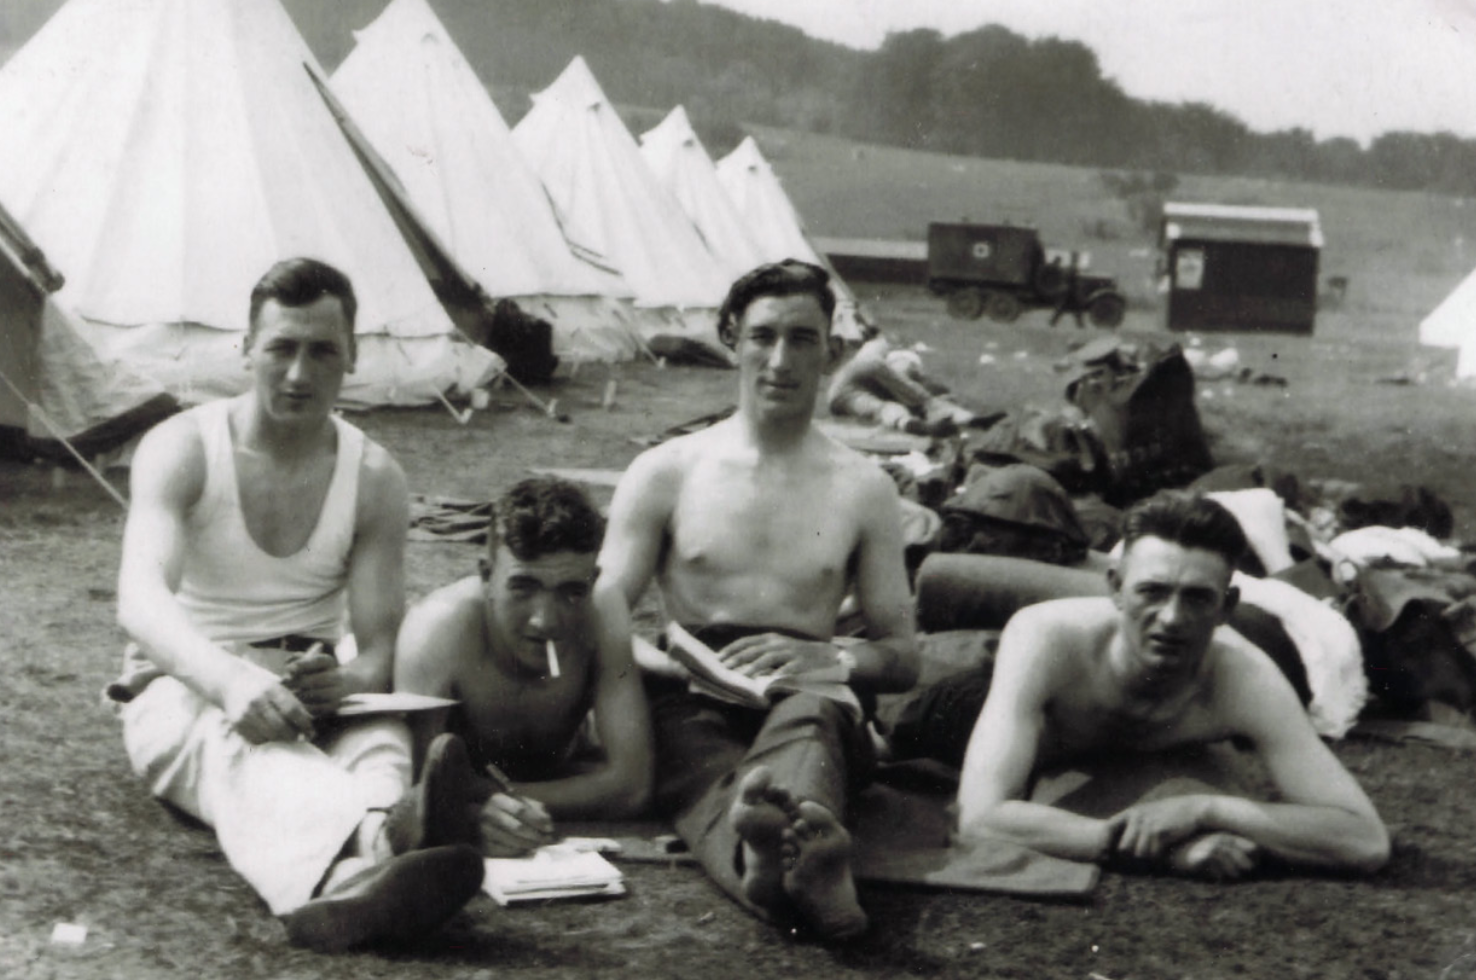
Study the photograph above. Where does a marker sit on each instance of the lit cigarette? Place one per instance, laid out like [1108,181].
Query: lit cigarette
[553,658]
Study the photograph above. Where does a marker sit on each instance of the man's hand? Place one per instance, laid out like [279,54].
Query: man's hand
[1219,857]
[1148,830]
[263,710]
[318,681]
[514,825]
[775,653]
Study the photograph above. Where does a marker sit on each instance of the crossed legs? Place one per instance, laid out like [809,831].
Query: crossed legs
[760,797]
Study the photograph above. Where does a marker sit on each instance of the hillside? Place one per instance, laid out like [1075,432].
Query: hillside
[987,92]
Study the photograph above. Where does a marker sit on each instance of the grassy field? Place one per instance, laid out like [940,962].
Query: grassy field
[1402,252]
[80,842]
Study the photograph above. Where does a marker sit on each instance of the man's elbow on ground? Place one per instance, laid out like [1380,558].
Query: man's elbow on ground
[633,802]
[628,800]
[1369,852]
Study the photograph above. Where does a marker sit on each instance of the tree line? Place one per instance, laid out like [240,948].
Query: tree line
[989,92]
[992,92]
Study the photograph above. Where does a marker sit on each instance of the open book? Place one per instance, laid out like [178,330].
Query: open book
[710,676]
[564,870]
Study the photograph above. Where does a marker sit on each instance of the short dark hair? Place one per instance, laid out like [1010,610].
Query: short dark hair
[542,516]
[302,282]
[1191,520]
[788,278]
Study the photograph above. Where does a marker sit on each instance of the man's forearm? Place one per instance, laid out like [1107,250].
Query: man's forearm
[176,647]
[600,793]
[1045,828]
[370,673]
[884,666]
[1316,836]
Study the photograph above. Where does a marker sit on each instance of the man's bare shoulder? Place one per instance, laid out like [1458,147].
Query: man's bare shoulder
[667,461]
[441,621]
[384,494]
[1247,682]
[379,468]
[170,459]
[1076,616]
[858,470]
[1060,635]
[177,435]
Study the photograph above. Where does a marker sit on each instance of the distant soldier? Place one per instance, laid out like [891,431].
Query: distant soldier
[1071,299]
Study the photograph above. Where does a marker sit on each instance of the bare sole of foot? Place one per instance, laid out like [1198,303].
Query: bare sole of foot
[819,881]
[762,821]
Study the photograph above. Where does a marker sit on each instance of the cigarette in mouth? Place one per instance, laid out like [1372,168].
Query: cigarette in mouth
[553,658]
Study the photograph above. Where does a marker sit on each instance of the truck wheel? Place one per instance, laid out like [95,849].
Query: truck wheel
[1004,307]
[1106,309]
[966,304]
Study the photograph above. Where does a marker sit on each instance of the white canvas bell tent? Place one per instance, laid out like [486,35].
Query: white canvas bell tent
[166,153]
[774,223]
[680,162]
[53,386]
[608,201]
[422,107]
[1453,324]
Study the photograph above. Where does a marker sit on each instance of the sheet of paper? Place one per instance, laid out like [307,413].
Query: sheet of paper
[373,704]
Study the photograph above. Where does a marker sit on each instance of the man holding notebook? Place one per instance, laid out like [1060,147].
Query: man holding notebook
[528,651]
[258,526]
[755,530]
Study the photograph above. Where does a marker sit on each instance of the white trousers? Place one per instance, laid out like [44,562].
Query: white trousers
[281,810]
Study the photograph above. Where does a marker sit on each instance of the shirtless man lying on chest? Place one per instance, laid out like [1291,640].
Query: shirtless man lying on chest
[528,651]
[1145,671]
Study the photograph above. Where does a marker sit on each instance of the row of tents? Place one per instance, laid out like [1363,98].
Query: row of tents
[159,155]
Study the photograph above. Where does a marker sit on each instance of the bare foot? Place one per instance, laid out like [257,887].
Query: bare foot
[761,815]
[819,881]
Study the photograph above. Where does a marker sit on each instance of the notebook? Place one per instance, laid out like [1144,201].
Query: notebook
[563,870]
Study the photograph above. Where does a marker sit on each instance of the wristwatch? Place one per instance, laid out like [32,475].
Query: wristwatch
[846,659]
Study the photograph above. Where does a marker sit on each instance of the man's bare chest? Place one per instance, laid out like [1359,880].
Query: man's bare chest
[1085,726]
[524,713]
[744,526]
[281,506]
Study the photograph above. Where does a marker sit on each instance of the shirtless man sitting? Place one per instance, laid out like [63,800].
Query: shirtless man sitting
[256,524]
[528,652]
[1144,670]
[754,530]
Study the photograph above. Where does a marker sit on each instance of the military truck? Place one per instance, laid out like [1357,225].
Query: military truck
[1002,270]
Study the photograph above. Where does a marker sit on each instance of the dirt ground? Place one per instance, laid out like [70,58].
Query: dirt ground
[80,842]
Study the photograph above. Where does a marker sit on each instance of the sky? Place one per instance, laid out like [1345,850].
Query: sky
[1336,67]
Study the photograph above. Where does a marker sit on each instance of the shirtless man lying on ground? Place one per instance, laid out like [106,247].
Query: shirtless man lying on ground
[1144,671]
[754,529]
[528,652]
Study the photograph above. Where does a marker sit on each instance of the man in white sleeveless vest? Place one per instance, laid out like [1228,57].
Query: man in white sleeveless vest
[260,526]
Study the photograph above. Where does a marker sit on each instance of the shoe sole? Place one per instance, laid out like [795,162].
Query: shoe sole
[413,895]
